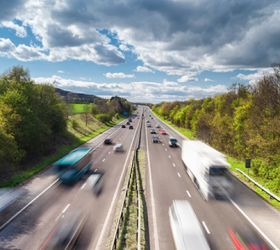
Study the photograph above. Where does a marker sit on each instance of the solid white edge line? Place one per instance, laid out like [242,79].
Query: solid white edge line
[179,175]
[169,156]
[115,195]
[253,224]
[65,208]
[173,165]
[206,228]
[188,193]
[28,204]
[152,197]
[83,186]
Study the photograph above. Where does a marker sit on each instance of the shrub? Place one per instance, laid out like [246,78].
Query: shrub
[74,124]
[117,116]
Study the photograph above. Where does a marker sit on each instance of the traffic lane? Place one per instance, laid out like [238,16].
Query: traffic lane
[222,207]
[172,183]
[62,195]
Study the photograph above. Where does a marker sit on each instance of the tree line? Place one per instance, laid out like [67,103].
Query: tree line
[32,117]
[243,123]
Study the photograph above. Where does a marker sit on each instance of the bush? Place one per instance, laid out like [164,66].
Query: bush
[102,118]
[74,124]
[117,116]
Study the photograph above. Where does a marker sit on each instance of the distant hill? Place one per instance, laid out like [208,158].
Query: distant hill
[69,96]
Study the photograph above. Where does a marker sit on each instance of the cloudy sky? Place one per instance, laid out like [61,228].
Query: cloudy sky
[143,50]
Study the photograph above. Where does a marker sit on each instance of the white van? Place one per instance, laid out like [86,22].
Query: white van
[186,229]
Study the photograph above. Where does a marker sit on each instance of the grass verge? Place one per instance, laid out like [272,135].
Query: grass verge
[78,139]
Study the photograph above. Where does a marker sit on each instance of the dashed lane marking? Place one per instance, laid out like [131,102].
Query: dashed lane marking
[205,227]
[179,175]
[188,194]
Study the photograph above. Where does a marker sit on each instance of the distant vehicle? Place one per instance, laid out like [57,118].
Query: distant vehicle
[137,117]
[157,126]
[152,117]
[130,127]
[118,148]
[148,121]
[149,125]
[74,165]
[123,126]
[153,131]
[155,139]
[207,168]
[185,227]
[127,123]
[130,120]
[95,182]
[163,132]
[172,142]
[107,141]
[149,115]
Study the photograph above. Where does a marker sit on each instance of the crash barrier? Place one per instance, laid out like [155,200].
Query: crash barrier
[260,186]
[134,168]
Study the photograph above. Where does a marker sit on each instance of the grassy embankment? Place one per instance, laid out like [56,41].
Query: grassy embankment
[76,137]
[236,164]
[128,226]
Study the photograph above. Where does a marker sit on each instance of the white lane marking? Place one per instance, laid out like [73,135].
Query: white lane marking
[169,156]
[105,225]
[165,149]
[65,208]
[83,186]
[206,228]
[152,197]
[58,217]
[173,165]
[188,194]
[95,170]
[162,144]
[109,152]
[8,221]
[179,175]
[253,224]
[103,160]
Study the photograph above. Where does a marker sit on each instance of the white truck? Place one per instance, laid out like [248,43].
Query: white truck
[207,168]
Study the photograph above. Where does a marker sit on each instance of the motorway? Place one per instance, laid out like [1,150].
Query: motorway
[47,200]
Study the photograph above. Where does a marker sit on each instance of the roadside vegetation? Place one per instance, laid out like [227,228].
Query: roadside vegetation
[243,123]
[36,128]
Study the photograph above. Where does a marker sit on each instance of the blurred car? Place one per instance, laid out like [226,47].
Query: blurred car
[153,131]
[244,239]
[137,117]
[152,117]
[95,182]
[127,123]
[149,115]
[67,231]
[163,132]
[155,139]
[107,141]
[157,126]
[185,227]
[130,120]
[148,121]
[130,127]
[123,126]
[118,148]
[149,125]
[172,142]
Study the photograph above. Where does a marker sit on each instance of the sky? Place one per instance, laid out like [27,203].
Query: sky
[142,50]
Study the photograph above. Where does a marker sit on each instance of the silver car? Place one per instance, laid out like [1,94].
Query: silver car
[118,148]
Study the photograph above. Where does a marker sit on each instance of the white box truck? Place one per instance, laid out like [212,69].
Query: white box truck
[207,168]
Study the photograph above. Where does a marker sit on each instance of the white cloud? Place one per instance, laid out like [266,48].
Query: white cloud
[144,69]
[142,91]
[253,78]
[6,46]
[20,31]
[124,47]
[187,78]
[61,71]
[82,78]
[208,80]
[118,75]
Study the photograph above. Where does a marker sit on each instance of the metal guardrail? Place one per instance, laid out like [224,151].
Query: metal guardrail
[260,186]
[116,235]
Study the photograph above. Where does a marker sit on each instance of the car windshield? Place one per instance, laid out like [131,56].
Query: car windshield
[173,140]
[155,138]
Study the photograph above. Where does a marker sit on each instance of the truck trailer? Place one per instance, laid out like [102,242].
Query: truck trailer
[72,166]
[207,168]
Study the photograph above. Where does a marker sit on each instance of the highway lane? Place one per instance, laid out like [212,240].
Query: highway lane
[30,228]
[171,182]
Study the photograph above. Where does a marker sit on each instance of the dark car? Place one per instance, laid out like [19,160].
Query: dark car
[130,127]
[155,139]
[123,126]
[107,141]
[127,123]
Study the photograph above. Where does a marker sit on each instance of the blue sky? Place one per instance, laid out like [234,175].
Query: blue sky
[147,51]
